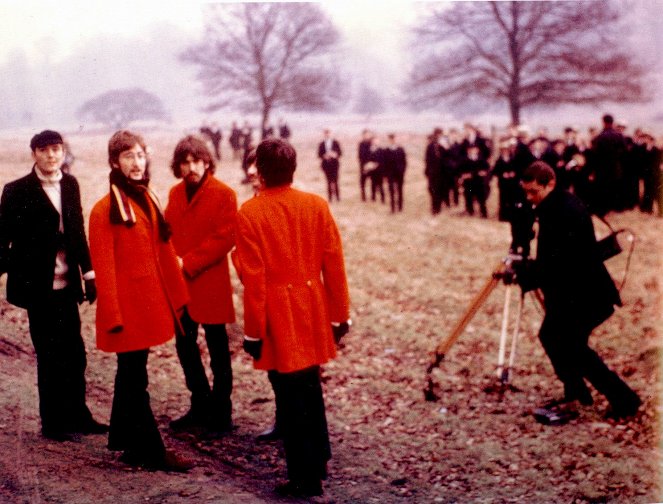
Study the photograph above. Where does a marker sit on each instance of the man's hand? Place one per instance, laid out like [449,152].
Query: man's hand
[90,291]
[253,347]
[340,329]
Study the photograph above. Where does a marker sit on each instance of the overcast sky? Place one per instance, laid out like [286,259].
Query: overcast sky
[88,39]
[64,26]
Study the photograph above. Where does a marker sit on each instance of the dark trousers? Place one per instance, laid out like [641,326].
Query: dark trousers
[55,329]
[474,189]
[331,173]
[278,414]
[133,427]
[435,191]
[215,401]
[363,177]
[395,183]
[305,436]
[565,341]
[377,186]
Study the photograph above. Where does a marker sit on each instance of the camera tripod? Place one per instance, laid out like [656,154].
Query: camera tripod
[503,273]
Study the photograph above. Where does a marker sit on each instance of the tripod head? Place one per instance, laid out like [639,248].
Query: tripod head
[507,273]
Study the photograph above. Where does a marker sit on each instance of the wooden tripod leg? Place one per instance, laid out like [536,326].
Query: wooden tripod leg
[478,300]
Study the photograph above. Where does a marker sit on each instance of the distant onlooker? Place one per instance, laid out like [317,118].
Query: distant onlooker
[329,151]
[395,164]
[284,130]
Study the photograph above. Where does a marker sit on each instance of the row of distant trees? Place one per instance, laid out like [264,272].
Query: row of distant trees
[259,57]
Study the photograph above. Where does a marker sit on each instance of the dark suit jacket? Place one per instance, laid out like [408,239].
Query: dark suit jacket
[364,152]
[576,284]
[329,164]
[29,239]
[395,162]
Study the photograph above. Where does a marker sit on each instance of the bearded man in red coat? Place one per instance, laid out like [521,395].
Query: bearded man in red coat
[201,212]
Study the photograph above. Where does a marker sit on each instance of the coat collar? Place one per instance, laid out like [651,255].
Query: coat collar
[204,184]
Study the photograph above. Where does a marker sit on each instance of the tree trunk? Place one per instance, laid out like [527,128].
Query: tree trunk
[266,109]
[514,108]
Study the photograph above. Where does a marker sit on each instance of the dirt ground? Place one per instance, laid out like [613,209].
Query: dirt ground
[411,277]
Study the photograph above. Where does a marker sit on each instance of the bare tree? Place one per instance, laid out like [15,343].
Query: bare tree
[524,53]
[261,56]
[119,107]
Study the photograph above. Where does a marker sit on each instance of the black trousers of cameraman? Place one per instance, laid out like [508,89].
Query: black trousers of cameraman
[565,341]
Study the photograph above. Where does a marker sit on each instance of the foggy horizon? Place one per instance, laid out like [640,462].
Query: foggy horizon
[49,76]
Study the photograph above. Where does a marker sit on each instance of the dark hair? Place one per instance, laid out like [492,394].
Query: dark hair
[608,119]
[123,140]
[197,148]
[276,161]
[539,171]
[44,139]
[250,157]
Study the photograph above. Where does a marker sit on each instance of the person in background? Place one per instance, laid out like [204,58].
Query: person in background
[45,254]
[201,212]
[296,306]
[364,156]
[395,164]
[329,152]
[141,296]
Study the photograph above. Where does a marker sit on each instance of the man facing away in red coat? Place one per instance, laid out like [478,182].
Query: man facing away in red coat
[296,306]
[201,212]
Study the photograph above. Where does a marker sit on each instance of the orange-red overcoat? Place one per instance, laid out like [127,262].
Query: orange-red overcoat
[139,281]
[290,260]
[203,235]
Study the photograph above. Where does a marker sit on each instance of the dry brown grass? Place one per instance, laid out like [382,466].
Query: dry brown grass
[411,276]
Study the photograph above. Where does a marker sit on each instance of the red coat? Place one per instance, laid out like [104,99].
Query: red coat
[290,259]
[203,235]
[139,281]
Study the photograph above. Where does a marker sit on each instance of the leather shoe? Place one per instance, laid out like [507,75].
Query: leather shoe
[301,489]
[55,435]
[625,410]
[169,462]
[190,420]
[271,434]
[91,426]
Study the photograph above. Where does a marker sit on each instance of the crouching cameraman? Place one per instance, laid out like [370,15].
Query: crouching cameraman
[579,293]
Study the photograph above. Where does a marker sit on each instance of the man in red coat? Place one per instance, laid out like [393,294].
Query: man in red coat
[296,306]
[201,212]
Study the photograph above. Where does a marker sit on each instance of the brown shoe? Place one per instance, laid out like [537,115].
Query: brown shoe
[173,461]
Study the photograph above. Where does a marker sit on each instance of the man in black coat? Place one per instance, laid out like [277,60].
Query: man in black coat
[608,150]
[475,176]
[329,152]
[43,250]
[578,292]
[364,155]
[433,170]
[395,163]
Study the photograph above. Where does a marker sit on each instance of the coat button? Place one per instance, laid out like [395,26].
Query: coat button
[289,286]
[308,282]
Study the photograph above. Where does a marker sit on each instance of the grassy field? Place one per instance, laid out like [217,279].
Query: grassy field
[411,277]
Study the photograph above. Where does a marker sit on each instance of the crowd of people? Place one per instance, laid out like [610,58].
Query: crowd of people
[607,169]
[157,274]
